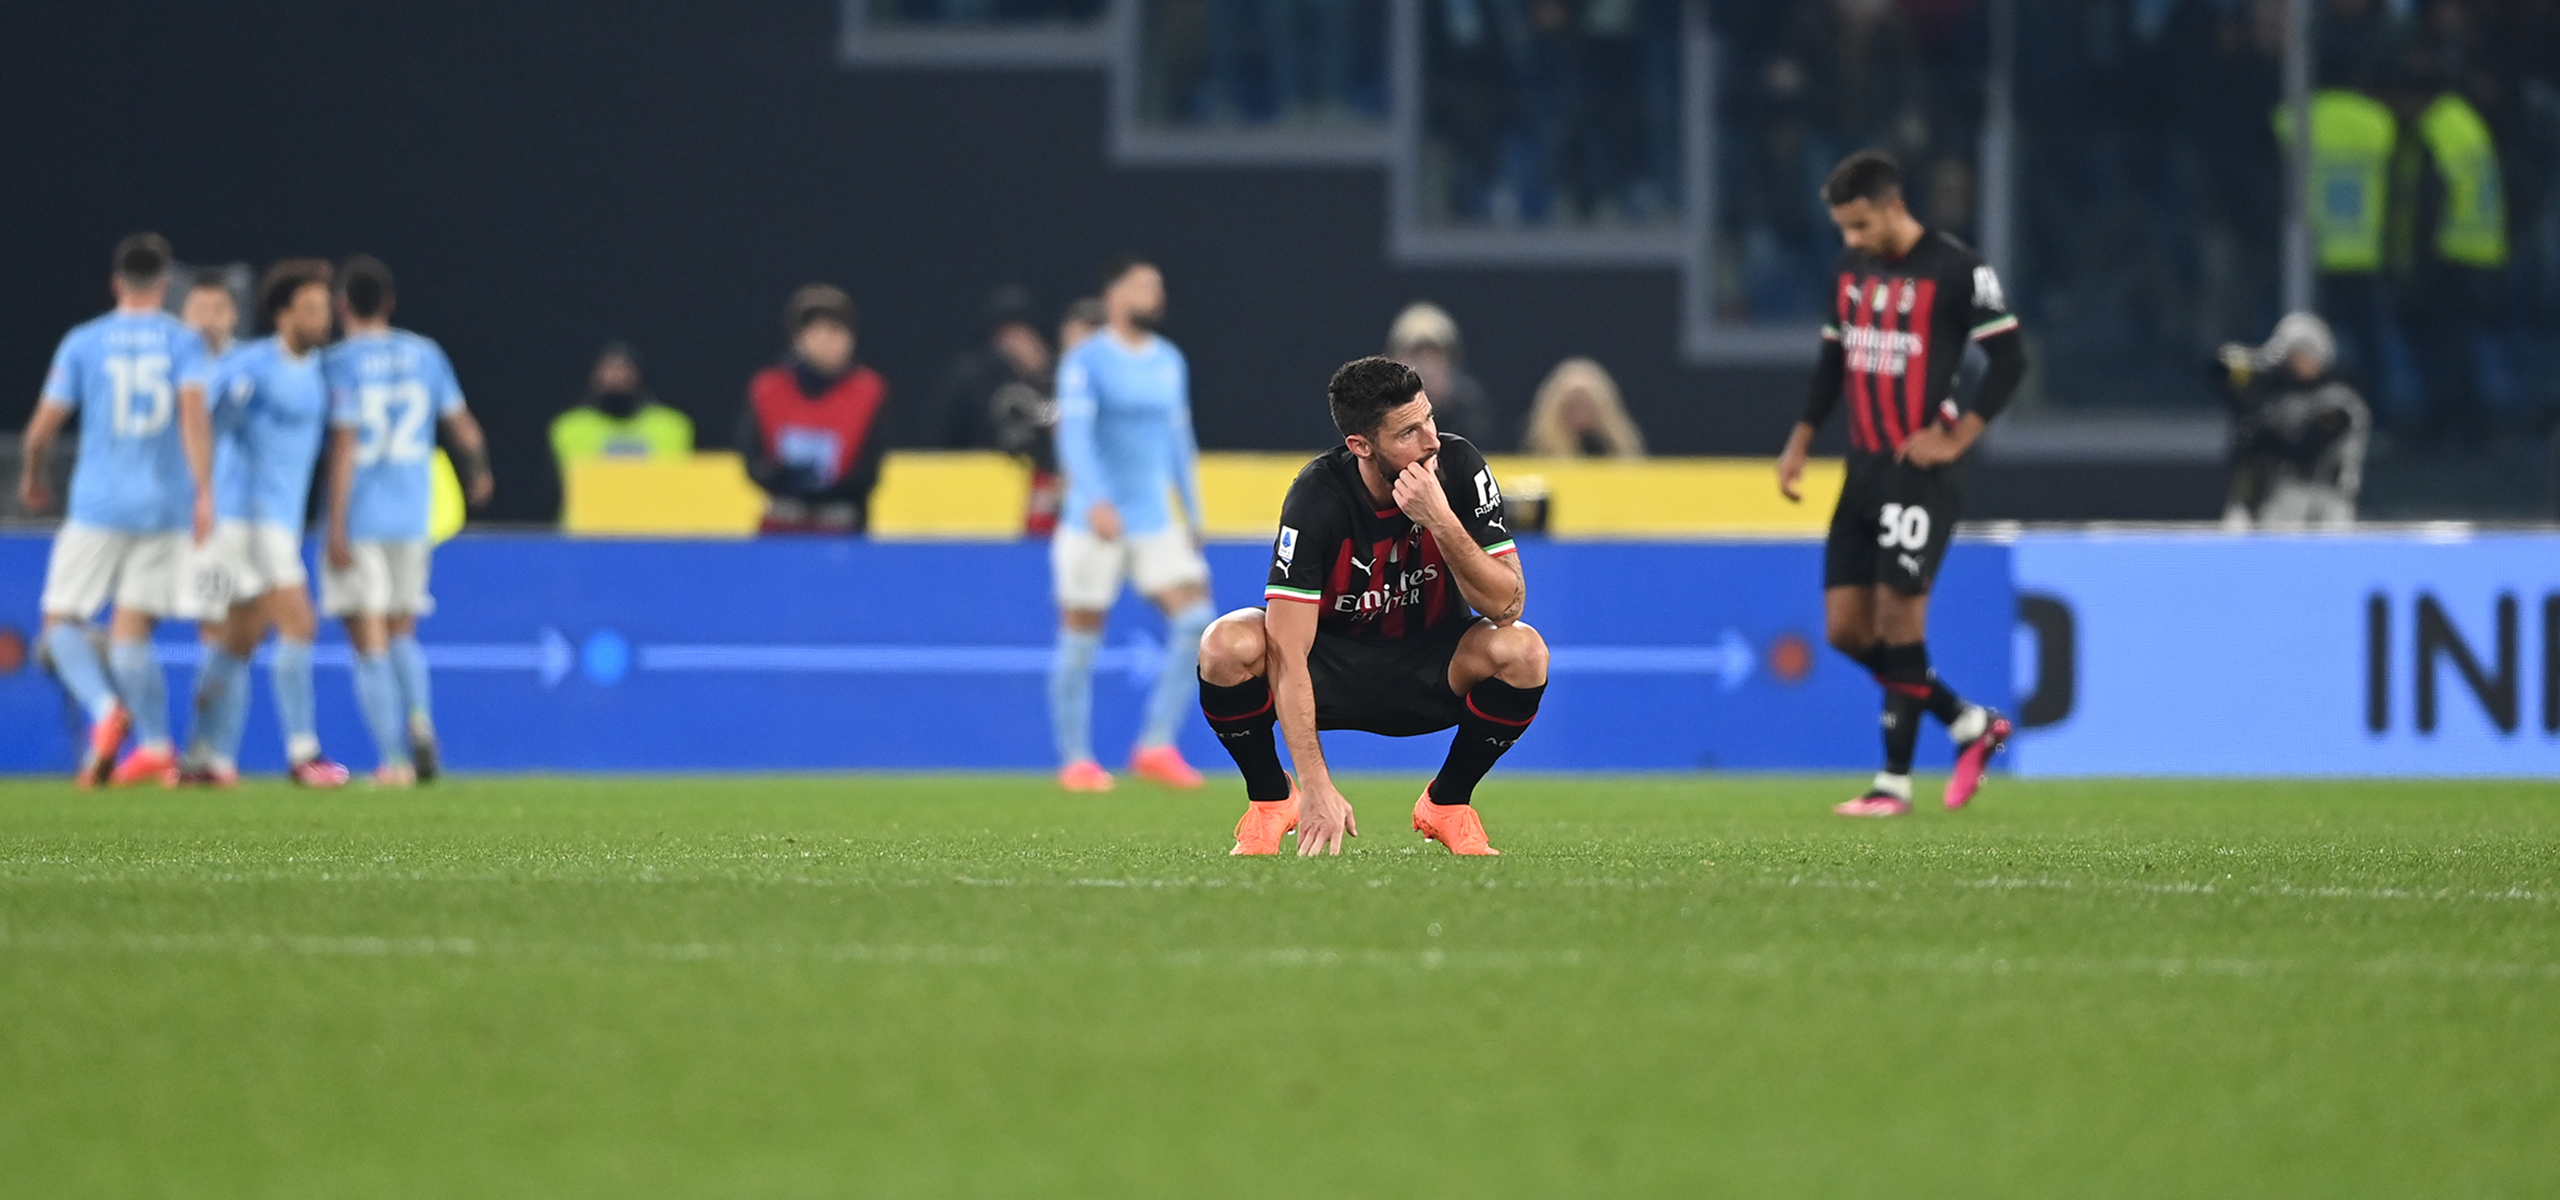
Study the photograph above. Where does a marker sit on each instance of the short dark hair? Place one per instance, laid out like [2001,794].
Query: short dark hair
[209,278]
[820,301]
[1366,389]
[1121,264]
[1087,310]
[285,280]
[366,284]
[143,259]
[1869,175]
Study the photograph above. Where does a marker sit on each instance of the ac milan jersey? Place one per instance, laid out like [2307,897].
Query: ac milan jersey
[1372,572]
[1902,325]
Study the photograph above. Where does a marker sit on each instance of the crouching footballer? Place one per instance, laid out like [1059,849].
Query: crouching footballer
[1393,607]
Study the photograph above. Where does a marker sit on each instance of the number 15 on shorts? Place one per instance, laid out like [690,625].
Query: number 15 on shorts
[1904,526]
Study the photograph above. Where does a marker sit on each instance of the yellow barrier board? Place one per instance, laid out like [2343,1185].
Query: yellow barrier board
[945,494]
[707,495]
[981,495]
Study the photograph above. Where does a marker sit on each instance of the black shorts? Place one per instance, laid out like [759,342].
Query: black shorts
[1398,688]
[1893,524]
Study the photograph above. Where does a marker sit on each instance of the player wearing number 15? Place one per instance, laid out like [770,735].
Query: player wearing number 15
[133,377]
[1906,303]
[388,390]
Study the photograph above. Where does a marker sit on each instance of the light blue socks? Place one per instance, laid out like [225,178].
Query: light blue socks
[76,663]
[378,695]
[1071,694]
[222,708]
[1177,691]
[409,669]
[297,710]
[145,689]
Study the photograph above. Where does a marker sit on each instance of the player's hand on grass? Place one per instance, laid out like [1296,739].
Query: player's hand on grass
[1324,818]
[1105,521]
[1419,494]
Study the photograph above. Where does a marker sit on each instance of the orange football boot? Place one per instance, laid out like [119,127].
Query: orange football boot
[1453,825]
[1264,823]
[1164,765]
[106,734]
[147,767]
[1086,776]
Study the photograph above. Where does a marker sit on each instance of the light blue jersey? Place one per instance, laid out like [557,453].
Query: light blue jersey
[391,388]
[121,373]
[1124,433]
[269,412]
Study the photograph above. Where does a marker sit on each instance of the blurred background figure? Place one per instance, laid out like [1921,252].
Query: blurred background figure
[2454,295]
[212,311]
[1126,448]
[1425,338]
[1578,414]
[1082,320]
[810,432]
[2298,433]
[620,417]
[997,396]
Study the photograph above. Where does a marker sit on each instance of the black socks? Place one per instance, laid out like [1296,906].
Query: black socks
[1497,714]
[1243,717]
[1908,691]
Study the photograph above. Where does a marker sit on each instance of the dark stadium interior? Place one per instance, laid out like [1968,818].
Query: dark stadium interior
[669,177]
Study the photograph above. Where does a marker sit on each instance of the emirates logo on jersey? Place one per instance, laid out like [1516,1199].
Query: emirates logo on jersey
[1401,589]
[1881,351]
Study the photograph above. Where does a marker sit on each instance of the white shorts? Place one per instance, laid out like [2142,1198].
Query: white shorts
[242,561]
[88,564]
[386,579]
[1089,571]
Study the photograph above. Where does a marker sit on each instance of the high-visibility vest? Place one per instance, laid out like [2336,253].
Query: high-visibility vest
[2473,228]
[654,432]
[2352,137]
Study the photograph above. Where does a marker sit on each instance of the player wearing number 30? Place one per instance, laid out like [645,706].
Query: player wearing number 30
[1906,302]
[133,377]
[388,389]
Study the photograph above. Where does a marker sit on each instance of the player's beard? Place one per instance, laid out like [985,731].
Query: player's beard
[1147,320]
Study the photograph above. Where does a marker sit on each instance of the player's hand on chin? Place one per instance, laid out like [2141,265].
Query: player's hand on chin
[1324,818]
[1931,447]
[1419,494]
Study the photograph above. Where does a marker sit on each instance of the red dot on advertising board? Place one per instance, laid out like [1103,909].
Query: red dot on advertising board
[13,650]
[1791,658]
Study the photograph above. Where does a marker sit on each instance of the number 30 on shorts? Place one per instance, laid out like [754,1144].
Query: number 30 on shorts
[1905,526]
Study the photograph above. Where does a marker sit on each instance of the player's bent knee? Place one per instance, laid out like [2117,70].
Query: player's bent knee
[1519,654]
[1232,648]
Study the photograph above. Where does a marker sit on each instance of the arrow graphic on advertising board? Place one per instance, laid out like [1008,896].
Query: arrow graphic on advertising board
[606,657]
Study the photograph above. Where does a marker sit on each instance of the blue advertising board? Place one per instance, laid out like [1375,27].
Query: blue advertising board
[2393,654]
[804,654]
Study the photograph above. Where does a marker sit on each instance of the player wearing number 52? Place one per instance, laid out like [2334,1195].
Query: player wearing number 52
[1906,304]
[133,377]
[388,390]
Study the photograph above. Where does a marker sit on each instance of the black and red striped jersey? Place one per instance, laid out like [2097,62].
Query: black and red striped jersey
[1900,327]
[1372,572]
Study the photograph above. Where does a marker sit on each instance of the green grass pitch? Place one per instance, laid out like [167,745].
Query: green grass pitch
[973,986]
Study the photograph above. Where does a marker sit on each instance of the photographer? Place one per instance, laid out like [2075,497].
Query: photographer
[2297,434]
